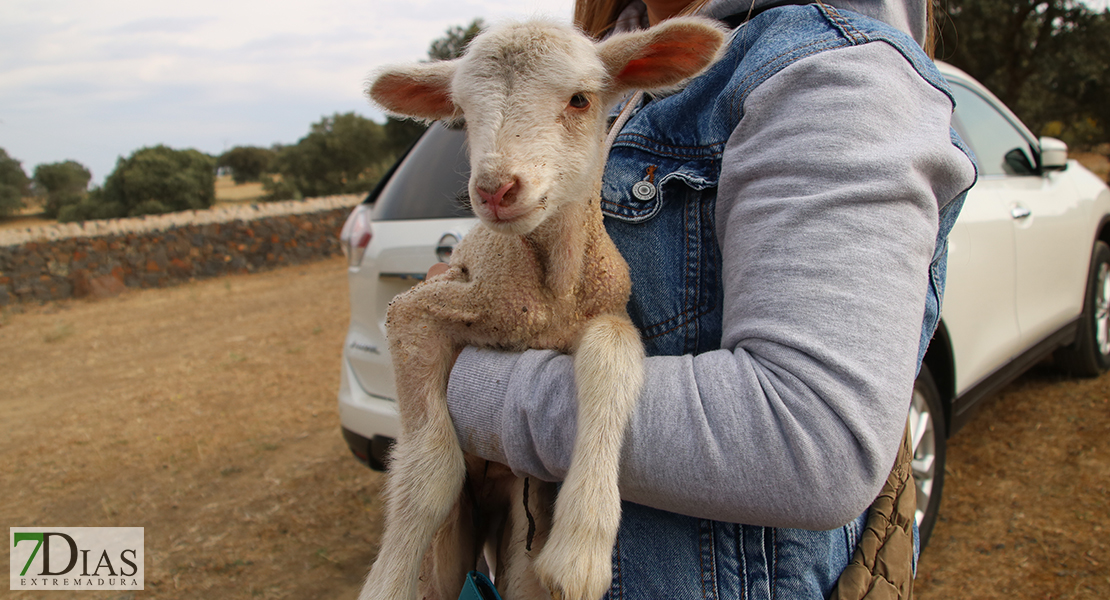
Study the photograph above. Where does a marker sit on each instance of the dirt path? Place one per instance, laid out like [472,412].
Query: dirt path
[206,414]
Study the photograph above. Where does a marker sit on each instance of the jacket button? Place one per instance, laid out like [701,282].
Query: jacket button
[643,190]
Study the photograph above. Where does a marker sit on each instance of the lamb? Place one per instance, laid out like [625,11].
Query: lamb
[538,271]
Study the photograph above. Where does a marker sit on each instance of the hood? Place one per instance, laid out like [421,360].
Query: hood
[909,16]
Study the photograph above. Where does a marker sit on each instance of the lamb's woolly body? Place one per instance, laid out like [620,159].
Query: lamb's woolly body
[539,271]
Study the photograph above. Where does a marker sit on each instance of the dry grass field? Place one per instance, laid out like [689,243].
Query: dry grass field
[1026,508]
[227,192]
[206,413]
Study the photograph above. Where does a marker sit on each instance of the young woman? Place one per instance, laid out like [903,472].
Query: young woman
[784,217]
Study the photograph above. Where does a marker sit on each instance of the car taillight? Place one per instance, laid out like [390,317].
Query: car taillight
[356,235]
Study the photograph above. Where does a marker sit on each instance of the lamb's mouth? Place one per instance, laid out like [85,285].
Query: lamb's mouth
[509,215]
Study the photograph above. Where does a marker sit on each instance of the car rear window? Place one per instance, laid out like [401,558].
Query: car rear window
[430,182]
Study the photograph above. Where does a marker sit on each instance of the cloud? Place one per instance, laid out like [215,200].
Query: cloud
[162,25]
[94,81]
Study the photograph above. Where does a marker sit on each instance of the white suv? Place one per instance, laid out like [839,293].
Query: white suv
[1028,270]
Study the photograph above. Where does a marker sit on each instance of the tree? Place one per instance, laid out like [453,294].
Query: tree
[14,184]
[151,181]
[342,154]
[247,163]
[62,184]
[401,133]
[348,153]
[454,41]
[1046,59]
[1079,80]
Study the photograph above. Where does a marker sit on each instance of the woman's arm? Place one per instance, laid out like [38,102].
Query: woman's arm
[826,219]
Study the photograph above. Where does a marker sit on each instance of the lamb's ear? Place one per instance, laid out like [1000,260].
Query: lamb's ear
[421,90]
[663,55]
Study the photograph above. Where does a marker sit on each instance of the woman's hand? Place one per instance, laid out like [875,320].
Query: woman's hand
[436,269]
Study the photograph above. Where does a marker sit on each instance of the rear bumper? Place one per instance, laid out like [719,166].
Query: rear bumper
[373,452]
[369,422]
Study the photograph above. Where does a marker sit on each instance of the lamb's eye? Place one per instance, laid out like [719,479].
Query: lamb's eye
[579,101]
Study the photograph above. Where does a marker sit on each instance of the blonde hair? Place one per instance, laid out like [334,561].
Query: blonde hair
[596,17]
[932,30]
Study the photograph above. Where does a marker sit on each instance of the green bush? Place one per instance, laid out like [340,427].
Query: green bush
[342,154]
[14,184]
[92,206]
[151,181]
[278,189]
[247,163]
[62,184]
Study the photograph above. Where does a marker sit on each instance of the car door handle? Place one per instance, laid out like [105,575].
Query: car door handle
[1020,212]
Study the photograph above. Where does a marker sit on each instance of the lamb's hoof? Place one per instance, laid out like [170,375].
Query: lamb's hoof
[581,571]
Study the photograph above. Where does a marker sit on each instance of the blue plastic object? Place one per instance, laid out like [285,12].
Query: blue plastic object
[478,587]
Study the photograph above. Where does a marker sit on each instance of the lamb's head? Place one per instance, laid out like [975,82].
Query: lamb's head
[535,98]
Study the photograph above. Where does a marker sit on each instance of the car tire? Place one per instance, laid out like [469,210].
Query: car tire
[929,438]
[1089,355]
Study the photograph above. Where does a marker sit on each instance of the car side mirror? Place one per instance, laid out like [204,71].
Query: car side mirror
[1054,154]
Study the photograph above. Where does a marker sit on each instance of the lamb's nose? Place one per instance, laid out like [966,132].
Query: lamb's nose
[501,197]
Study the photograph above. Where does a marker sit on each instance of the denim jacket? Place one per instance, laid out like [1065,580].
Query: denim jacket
[659,195]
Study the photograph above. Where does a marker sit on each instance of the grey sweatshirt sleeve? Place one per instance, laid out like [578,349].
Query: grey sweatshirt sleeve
[826,219]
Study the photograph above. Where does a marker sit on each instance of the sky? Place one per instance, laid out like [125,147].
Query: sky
[94,80]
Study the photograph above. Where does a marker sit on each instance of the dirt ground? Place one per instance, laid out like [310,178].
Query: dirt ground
[1026,506]
[206,413]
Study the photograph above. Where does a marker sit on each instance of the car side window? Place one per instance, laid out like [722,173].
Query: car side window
[999,147]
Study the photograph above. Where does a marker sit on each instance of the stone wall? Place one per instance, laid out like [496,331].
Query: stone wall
[102,258]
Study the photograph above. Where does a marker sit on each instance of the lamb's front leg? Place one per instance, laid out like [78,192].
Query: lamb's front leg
[576,563]
[427,469]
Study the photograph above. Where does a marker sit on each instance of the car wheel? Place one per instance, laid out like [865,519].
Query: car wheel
[928,437]
[1089,355]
